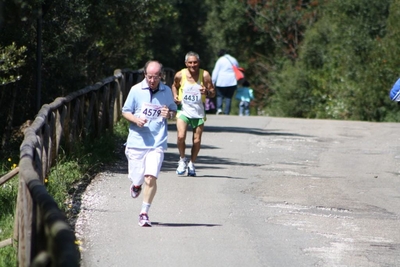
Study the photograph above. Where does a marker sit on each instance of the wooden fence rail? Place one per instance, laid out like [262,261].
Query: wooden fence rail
[43,235]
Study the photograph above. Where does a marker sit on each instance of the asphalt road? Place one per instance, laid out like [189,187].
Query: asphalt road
[268,192]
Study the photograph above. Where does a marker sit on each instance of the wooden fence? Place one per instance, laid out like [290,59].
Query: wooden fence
[41,232]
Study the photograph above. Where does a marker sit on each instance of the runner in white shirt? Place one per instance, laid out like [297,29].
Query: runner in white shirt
[190,88]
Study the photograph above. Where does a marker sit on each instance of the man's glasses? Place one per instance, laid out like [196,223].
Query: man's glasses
[155,77]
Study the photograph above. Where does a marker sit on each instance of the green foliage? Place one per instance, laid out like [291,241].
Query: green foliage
[8,256]
[11,59]
[179,30]
[8,199]
[344,64]
[8,164]
[312,59]
[289,100]
[352,43]
[284,22]
[83,41]
[227,27]
[65,173]
[277,30]
[87,158]
[121,130]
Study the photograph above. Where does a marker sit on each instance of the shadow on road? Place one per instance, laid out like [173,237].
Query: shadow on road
[246,130]
[160,224]
[219,176]
[171,158]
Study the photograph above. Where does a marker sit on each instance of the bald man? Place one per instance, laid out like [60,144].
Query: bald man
[148,106]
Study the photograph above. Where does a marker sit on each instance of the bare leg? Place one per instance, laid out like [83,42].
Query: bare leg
[181,127]
[197,133]
[150,189]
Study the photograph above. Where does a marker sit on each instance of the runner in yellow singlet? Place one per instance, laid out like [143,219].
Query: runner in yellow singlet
[190,88]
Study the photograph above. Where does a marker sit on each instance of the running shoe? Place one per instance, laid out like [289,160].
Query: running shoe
[144,220]
[191,170]
[182,165]
[135,190]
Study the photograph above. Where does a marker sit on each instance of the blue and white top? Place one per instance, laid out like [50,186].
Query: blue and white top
[244,94]
[143,103]
[395,92]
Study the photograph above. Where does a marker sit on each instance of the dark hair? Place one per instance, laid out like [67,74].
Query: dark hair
[221,52]
[246,83]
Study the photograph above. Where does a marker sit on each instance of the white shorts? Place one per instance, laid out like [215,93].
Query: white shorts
[143,162]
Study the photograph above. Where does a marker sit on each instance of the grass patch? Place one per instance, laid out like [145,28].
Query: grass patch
[71,173]
[9,158]
[8,199]
[88,158]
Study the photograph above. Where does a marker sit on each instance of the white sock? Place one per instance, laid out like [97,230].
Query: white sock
[190,164]
[145,207]
[184,158]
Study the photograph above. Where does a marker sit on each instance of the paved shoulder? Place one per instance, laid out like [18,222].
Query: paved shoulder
[268,192]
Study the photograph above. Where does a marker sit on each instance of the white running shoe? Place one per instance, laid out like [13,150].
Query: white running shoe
[182,166]
[191,170]
[144,220]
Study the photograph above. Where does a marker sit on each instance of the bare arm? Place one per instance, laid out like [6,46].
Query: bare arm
[176,85]
[210,91]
